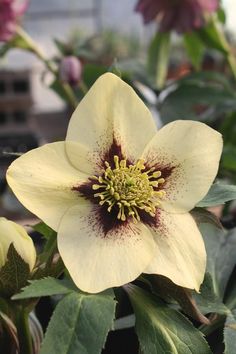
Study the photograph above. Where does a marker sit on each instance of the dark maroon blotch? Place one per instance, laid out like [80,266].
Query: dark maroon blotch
[115,149]
[86,190]
[108,220]
[166,172]
[149,220]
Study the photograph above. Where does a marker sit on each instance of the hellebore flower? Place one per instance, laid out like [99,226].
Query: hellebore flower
[11,232]
[179,15]
[118,191]
[10,12]
[70,70]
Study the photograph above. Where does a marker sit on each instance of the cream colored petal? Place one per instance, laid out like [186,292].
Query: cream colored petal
[98,260]
[194,150]
[180,253]
[42,180]
[80,157]
[110,110]
[11,232]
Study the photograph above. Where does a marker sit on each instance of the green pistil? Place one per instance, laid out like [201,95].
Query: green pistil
[129,188]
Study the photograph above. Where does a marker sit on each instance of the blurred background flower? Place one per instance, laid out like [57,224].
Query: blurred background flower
[10,12]
[12,233]
[70,70]
[179,15]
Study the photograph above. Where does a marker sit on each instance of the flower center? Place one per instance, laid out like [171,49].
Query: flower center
[130,188]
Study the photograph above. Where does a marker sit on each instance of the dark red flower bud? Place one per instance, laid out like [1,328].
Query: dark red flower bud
[70,70]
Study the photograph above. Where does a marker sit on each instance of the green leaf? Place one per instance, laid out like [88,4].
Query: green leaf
[168,291]
[207,300]
[124,322]
[202,216]
[228,128]
[4,48]
[91,73]
[221,250]
[80,324]
[44,230]
[161,329]
[213,239]
[16,42]
[230,299]
[228,159]
[208,77]
[221,15]
[54,269]
[4,306]
[14,274]
[50,247]
[210,36]
[196,100]
[45,287]
[218,194]
[158,57]
[226,260]
[194,48]
[213,36]
[56,86]
[230,334]
[63,48]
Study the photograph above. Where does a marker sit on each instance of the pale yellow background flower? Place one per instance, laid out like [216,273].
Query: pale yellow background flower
[12,233]
[119,192]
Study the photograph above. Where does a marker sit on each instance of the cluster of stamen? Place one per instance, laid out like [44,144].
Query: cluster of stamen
[130,188]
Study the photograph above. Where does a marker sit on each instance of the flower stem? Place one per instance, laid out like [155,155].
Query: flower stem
[34,48]
[230,57]
[208,329]
[83,87]
[23,331]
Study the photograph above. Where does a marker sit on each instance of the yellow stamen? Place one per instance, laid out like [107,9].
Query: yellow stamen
[130,188]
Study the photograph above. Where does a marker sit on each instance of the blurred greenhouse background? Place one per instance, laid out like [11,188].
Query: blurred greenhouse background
[45,20]
[104,35]
[115,22]
[59,19]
